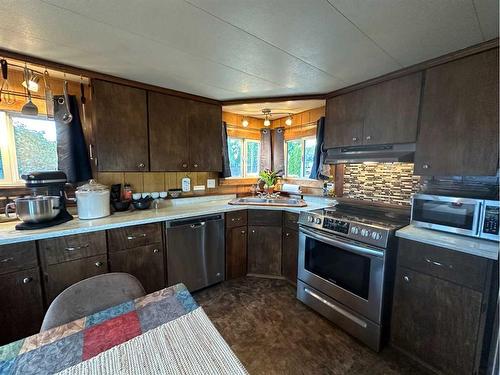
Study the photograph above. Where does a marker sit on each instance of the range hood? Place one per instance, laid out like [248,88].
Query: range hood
[403,152]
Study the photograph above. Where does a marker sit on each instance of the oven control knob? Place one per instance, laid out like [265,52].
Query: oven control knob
[365,232]
[376,235]
[317,220]
[355,230]
[310,219]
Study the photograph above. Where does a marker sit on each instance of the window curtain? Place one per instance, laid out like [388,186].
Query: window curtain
[278,147]
[317,172]
[265,149]
[226,168]
[72,155]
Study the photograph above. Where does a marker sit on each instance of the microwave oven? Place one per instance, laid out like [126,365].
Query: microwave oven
[465,216]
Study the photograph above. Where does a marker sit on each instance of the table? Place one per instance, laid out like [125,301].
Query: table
[164,332]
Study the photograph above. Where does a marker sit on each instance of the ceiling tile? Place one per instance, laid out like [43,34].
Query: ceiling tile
[413,31]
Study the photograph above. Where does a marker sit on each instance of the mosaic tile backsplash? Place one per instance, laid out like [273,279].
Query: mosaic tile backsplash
[392,183]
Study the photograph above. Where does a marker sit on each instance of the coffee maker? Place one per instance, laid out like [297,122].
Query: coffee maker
[51,184]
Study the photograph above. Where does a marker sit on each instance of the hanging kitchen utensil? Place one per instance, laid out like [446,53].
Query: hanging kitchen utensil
[29,109]
[49,96]
[5,94]
[65,113]
[83,99]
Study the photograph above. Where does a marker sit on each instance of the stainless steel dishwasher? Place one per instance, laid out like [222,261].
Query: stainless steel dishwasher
[195,251]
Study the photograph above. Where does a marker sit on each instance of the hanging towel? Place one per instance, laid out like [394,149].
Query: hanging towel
[317,171]
[72,155]
[226,168]
[265,149]
[278,145]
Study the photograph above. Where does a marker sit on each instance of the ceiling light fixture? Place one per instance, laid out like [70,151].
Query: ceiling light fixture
[244,122]
[32,84]
[267,114]
[288,120]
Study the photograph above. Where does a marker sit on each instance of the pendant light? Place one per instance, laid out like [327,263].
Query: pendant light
[267,114]
[244,122]
[288,120]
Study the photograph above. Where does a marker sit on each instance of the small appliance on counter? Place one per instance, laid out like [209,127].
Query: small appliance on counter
[92,200]
[47,205]
[466,216]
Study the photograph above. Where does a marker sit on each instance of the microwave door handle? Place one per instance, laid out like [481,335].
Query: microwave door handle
[361,250]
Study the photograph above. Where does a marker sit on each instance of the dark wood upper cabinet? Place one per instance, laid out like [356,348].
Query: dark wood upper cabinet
[205,136]
[459,119]
[380,114]
[168,132]
[120,127]
[344,120]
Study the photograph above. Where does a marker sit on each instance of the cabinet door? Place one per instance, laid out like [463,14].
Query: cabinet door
[236,252]
[121,127]
[205,137]
[344,120]
[391,112]
[22,311]
[436,320]
[145,262]
[290,254]
[459,121]
[168,132]
[60,276]
[264,250]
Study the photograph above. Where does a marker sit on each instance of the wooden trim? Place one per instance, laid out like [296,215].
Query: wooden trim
[102,76]
[274,99]
[455,55]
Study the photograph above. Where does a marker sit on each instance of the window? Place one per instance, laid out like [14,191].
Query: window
[244,157]
[27,144]
[299,157]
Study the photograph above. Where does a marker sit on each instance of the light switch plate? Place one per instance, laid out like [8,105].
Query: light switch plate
[198,187]
[211,183]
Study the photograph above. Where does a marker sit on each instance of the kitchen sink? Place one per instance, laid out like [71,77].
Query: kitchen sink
[291,202]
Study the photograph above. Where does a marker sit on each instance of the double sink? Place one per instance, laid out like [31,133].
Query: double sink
[257,201]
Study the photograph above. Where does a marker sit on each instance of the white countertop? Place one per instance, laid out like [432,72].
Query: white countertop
[475,246]
[170,209]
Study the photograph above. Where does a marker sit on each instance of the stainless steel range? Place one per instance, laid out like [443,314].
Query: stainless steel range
[346,266]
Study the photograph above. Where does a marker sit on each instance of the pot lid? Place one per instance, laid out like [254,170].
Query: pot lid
[93,186]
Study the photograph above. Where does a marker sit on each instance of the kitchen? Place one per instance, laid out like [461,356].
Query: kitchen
[326,203]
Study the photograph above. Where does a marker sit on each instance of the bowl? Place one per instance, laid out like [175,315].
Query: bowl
[36,209]
[136,196]
[142,204]
[155,195]
[120,205]
[163,194]
[175,193]
[145,195]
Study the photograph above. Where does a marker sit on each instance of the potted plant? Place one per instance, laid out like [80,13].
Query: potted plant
[270,179]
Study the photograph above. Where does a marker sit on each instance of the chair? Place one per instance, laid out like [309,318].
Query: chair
[90,296]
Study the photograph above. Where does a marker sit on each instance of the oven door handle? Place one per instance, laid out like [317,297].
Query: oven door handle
[361,250]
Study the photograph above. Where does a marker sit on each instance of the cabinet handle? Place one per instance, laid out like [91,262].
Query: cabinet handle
[98,264]
[242,232]
[438,264]
[7,260]
[156,251]
[27,280]
[141,165]
[73,248]
[236,219]
[355,139]
[368,137]
[195,165]
[91,151]
[253,231]
[426,166]
[135,236]
[287,234]
[406,279]
[184,165]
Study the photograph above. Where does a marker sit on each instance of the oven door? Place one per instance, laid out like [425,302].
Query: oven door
[347,271]
[448,214]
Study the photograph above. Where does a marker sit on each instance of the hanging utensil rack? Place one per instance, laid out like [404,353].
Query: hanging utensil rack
[22,94]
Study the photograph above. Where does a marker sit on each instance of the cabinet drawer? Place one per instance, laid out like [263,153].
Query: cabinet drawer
[264,217]
[60,276]
[134,236]
[17,257]
[78,246]
[290,220]
[460,268]
[236,219]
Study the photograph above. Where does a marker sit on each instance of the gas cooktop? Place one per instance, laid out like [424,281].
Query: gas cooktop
[367,223]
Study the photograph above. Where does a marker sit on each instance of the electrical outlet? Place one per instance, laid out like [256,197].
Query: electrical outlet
[211,183]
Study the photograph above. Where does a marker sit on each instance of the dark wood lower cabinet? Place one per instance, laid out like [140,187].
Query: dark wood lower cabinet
[264,250]
[144,262]
[60,276]
[21,314]
[436,321]
[236,252]
[290,254]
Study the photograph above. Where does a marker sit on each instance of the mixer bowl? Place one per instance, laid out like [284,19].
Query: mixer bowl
[37,209]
